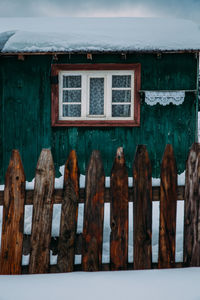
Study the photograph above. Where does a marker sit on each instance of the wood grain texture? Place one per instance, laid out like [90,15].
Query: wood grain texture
[30,129]
[13,217]
[142,184]
[58,195]
[42,214]
[66,245]
[168,202]
[192,208]
[119,213]
[93,216]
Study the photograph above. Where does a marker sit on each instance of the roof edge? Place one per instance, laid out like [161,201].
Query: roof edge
[99,52]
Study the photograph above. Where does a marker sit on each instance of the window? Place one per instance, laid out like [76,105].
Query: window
[95,95]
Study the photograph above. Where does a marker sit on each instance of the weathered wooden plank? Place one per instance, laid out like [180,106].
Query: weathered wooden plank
[93,217]
[142,209]
[13,217]
[42,214]
[119,213]
[168,202]
[54,244]
[58,195]
[192,208]
[66,243]
[105,267]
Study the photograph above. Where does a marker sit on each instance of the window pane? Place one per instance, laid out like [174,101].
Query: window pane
[121,96]
[96,96]
[72,96]
[72,81]
[72,110]
[121,110]
[121,81]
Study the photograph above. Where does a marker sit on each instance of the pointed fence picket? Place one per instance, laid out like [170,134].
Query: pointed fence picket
[42,214]
[119,213]
[93,218]
[13,217]
[168,202]
[89,244]
[192,208]
[142,209]
[68,215]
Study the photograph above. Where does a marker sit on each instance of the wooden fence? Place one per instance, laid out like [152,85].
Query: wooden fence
[94,195]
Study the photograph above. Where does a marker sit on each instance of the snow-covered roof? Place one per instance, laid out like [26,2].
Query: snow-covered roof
[19,35]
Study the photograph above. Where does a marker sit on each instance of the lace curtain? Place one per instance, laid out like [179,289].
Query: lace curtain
[96,96]
[164,98]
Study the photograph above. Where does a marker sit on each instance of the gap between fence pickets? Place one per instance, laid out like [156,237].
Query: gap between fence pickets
[106,233]
[59,181]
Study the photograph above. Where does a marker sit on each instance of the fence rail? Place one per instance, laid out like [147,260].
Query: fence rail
[14,243]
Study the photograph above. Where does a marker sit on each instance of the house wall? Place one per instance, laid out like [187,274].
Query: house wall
[25,106]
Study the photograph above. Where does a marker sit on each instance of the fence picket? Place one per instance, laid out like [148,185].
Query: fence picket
[42,214]
[13,217]
[142,209]
[119,213]
[66,243]
[90,242]
[168,202]
[93,217]
[192,208]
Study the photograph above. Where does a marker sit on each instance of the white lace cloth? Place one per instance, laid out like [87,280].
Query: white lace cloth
[164,97]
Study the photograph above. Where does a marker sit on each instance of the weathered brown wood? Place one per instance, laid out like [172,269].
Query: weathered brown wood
[105,267]
[42,214]
[66,243]
[168,202]
[58,195]
[13,217]
[119,213]
[142,209]
[54,244]
[93,217]
[192,208]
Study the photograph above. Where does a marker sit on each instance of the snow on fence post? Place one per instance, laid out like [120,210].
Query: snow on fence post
[192,208]
[168,202]
[119,213]
[68,220]
[13,217]
[94,212]
[142,184]
[42,214]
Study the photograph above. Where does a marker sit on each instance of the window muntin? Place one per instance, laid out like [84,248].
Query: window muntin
[96,95]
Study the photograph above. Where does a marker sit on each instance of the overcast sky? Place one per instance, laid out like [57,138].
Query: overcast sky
[188,9]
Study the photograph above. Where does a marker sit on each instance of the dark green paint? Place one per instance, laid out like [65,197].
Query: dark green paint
[25,106]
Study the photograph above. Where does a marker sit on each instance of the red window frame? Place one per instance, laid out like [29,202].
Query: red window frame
[56,68]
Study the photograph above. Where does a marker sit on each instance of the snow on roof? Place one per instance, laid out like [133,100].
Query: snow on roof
[97,34]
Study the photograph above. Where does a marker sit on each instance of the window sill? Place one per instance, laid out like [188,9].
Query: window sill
[96,123]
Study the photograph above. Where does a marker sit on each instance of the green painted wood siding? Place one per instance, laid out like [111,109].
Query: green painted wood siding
[25,106]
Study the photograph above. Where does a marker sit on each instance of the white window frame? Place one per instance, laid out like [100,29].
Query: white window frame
[85,81]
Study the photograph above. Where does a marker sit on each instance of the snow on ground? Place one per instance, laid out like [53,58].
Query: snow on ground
[174,284]
[97,34]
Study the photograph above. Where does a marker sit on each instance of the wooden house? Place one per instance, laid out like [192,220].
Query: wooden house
[101,83]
